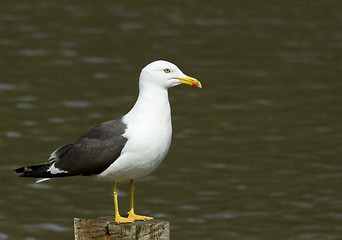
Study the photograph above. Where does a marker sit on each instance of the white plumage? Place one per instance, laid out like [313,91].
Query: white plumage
[127,148]
[149,127]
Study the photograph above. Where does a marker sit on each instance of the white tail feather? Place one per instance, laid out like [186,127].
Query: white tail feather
[39,180]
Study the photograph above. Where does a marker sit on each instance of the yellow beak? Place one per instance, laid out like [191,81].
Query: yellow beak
[190,81]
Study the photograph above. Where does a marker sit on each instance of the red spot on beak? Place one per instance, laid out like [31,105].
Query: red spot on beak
[194,85]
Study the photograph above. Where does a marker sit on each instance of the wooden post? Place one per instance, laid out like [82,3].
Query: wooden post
[106,228]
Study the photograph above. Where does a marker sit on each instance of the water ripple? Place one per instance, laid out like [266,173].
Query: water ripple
[195,220]
[101,75]
[76,104]
[67,44]
[95,115]
[33,52]
[6,86]
[68,53]
[229,215]
[27,28]
[189,207]
[48,226]
[95,59]
[8,42]
[25,106]
[132,26]
[3,236]
[222,106]
[13,134]
[56,120]
[28,123]
[39,186]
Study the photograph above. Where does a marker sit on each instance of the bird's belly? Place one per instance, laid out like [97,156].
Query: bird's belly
[142,154]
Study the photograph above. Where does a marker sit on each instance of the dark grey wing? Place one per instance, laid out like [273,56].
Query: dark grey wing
[106,130]
[94,151]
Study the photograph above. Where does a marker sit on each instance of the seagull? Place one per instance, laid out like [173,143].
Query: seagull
[127,148]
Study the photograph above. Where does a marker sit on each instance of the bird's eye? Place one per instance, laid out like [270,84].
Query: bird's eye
[166,70]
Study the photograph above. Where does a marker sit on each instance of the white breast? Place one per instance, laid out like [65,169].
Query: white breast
[149,133]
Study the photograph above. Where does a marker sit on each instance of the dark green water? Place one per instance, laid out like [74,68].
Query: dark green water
[256,153]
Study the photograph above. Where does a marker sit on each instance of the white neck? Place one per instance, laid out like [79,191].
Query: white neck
[152,103]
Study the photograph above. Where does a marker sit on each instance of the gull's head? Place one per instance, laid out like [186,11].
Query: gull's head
[165,74]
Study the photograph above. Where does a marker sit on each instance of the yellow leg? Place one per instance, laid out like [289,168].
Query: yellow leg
[118,218]
[131,214]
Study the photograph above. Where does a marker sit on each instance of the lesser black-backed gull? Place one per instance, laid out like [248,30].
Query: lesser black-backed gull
[126,148]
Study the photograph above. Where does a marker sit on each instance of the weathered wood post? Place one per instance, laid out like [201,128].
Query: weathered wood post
[106,228]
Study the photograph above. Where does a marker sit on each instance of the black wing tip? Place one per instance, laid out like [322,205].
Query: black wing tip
[39,171]
[19,170]
[24,171]
[33,171]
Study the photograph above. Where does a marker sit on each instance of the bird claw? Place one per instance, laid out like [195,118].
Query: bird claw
[119,219]
[135,217]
